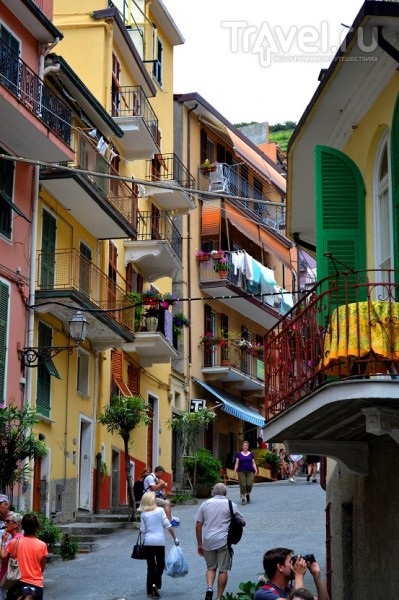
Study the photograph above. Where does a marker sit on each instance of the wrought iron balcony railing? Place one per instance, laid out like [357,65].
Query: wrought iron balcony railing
[131,101]
[168,167]
[159,226]
[28,88]
[346,326]
[227,179]
[70,272]
[247,359]
[123,196]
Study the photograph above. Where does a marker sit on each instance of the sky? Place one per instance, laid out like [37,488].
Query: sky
[257,60]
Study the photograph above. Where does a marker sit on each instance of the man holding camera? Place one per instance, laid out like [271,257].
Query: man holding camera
[281,567]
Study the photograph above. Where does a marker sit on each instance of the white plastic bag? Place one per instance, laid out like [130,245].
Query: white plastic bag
[176,565]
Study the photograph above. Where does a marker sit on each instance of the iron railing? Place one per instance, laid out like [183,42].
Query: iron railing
[159,226]
[121,195]
[275,297]
[131,101]
[168,167]
[346,326]
[230,353]
[28,88]
[69,271]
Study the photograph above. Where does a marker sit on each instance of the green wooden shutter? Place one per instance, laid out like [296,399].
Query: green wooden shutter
[395,182]
[4,296]
[47,265]
[340,213]
[45,338]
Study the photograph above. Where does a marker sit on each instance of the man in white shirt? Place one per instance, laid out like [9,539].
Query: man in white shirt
[211,529]
[154,483]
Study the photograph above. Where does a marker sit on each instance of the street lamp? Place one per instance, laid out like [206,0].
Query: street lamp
[35,357]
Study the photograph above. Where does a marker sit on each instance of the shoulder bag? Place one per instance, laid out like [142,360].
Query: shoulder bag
[13,574]
[235,529]
[139,549]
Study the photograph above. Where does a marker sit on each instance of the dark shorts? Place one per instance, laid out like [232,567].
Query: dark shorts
[27,590]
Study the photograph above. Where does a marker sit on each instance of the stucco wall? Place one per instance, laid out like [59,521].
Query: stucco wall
[373,526]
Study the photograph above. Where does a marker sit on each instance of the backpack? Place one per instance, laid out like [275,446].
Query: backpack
[138,489]
[235,528]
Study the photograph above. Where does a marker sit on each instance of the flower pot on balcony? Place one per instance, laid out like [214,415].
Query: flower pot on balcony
[217,255]
[203,257]
[151,323]
[208,169]
[150,301]
[223,274]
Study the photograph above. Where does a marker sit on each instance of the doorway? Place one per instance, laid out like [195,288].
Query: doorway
[85,467]
[115,479]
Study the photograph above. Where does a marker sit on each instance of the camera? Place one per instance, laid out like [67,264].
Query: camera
[307,557]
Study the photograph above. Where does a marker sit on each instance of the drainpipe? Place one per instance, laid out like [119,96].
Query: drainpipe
[189,233]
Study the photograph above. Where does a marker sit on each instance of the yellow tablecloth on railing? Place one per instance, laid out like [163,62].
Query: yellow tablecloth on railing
[360,330]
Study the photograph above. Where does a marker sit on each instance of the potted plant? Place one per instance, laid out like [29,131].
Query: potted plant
[179,321]
[151,296]
[202,255]
[217,254]
[204,471]
[167,299]
[207,166]
[245,345]
[151,318]
[222,267]
[257,351]
[209,339]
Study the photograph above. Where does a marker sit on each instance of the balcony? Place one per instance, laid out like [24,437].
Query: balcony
[332,367]
[68,278]
[34,122]
[227,180]
[157,251]
[175,194]
[154,341]
[133,113]
[103,204]
[262,302]
[241,369]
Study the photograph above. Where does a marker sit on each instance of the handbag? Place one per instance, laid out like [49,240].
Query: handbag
[13,573]
[139,549]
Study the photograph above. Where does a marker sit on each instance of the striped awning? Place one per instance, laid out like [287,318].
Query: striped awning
[233,405]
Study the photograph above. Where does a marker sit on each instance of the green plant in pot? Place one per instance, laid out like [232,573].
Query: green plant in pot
[204,471]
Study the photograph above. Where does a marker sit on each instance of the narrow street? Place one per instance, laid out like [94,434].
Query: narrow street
[280,514]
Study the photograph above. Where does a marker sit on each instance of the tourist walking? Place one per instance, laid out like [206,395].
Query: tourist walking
[31,553]
[245,467]
[312,461]
[153,521]
[211,530]
[11,530]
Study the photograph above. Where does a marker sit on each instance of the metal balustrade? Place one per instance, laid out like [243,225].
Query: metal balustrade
[28,88]
[131,101]
[168,167]
[345,327]
[159,226]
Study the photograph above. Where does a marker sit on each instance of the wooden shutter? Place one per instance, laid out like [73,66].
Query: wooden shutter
[47,265]
[340,212]
[117,373]
[133,379]
[395,182]
[4,296]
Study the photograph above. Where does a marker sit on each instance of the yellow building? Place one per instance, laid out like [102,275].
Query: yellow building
[107,233]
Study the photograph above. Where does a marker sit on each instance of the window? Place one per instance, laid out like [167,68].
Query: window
[83,372]
[9,60]
[6,193]
[43,398]
[115,86]
[4,301]
[157,65]
[383,210]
